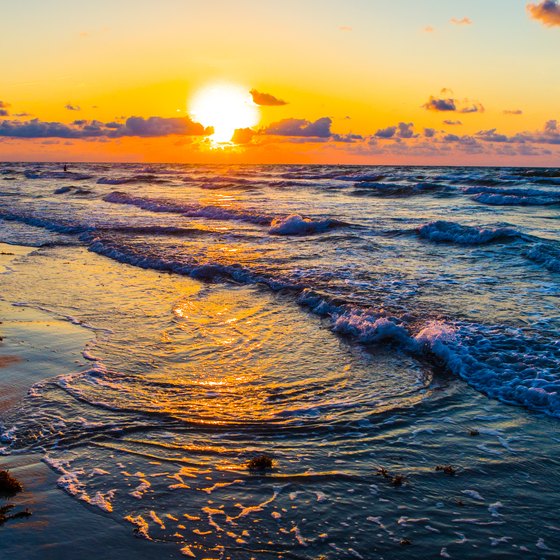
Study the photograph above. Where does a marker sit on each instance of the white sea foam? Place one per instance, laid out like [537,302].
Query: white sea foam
[297,225]
[451,232]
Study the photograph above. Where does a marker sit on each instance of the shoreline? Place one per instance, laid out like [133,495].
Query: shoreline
[33,345]
[410,443]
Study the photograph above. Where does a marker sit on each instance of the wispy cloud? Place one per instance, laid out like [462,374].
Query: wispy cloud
[546,11]
[462,21]
[71,107]
[472,107]
[346,28]
[452,123]
[513,112]
[266,99]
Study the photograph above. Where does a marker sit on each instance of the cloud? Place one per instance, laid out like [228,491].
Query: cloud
[71,107]
[4,108]
[243,135]
[402,130]
[266,99]
[442,104]
[429,29]
[492,136]
[474,107]
[347,138]
[40,129]
[346,28]
[321,128]
[160,126]
[452,123]
[405,130]
[429,132]
[435,104]
[513,112]
[134,126]
[550,134]
[546,11]
[388,132]
[462,21]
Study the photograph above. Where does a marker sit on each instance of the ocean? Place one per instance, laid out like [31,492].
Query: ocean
[360,325]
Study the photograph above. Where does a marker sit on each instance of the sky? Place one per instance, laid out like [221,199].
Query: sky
[427,82]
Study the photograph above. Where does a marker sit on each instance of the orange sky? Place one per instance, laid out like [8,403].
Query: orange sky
[364,81]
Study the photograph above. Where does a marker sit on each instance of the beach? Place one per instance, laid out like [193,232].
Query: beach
[162,327]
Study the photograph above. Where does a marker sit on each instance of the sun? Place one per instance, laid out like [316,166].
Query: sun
[225,107]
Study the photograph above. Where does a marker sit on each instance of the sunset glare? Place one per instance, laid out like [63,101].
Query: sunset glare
[224,107]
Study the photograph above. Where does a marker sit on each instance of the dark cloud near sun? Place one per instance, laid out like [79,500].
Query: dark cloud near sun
[71,107]
[452,123]
[133,126]
[243,135]
[513,112]
[546,11]
[321,128]
[266,99]
[159,126]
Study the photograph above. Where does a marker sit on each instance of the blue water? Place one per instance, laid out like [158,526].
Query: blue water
[340,318]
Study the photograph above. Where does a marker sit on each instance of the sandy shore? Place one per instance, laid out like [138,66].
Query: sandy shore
[36,346]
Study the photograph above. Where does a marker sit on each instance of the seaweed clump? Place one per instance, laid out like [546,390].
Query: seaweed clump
[5,516]
[260,463]
[447,469]
[395,480]
[9,485]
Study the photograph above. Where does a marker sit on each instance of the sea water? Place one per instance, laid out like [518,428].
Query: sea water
[354,323]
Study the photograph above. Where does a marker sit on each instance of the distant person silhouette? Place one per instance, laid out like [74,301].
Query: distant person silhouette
[65,167]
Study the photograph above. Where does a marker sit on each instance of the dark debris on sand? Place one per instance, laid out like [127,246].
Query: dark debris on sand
[6,516]
[10,486]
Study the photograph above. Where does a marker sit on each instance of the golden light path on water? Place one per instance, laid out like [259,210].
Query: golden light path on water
[225,107]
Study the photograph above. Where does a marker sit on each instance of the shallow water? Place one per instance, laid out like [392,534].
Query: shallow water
[340,319]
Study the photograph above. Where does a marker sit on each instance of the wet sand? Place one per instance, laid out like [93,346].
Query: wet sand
[36,346]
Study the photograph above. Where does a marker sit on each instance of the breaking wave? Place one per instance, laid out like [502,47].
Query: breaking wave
[451,232]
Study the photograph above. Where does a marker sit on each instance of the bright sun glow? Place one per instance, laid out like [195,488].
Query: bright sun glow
[225,107]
